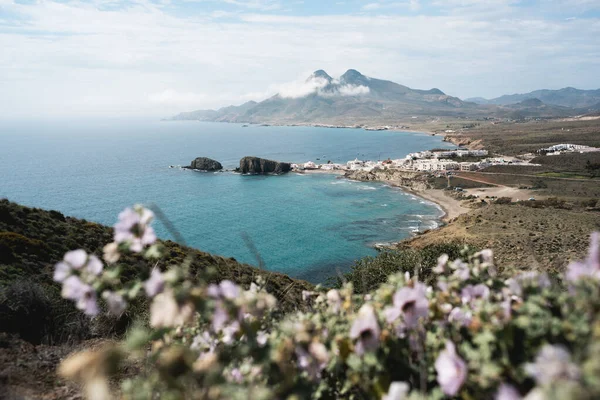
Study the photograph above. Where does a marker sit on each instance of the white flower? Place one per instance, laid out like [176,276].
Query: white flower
[334,300]
[552,363]
[451,370]
[590,267]
[111,253]
[155,284]
[507,392]
[115,302]
[442,262]
[166,312]
[397,391]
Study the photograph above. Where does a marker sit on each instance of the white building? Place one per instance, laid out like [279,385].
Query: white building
[355,165]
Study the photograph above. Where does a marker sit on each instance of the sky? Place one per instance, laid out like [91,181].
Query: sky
[157,58]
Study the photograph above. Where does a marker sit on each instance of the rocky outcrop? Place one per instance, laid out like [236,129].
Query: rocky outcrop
[411,180]
[205,164]
[255,165]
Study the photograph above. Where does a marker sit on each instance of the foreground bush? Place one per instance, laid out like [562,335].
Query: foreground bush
[469,335]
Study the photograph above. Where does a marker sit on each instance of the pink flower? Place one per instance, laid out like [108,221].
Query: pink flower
[451,370]
[133,228]
[411,303]
[590,267]
[365,330]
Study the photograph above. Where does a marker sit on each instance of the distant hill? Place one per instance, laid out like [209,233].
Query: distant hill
[566,97]
[353,98]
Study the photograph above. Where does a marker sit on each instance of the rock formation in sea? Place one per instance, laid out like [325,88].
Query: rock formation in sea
[205,164]
[255,165]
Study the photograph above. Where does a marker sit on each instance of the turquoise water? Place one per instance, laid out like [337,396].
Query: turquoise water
[308,226]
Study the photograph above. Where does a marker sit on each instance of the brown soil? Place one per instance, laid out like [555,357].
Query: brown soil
[521,237]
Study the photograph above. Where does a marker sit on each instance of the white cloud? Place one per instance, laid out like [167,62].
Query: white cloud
[353,90]
[296,89]
[72,58]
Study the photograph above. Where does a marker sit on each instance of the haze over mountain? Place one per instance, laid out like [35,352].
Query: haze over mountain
[565,97]
[354,98]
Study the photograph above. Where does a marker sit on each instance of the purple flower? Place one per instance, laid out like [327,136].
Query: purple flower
[365,330]
[590,267]
[411,303]
[73,288]
[507,392]
[83,295]
[397,391]
[472,293]
[133,228]
[115,302]
[552,363]
[314,360]
[527,279]
[461,270]
[451,370]
[226,289]
[460,316]
[155,284]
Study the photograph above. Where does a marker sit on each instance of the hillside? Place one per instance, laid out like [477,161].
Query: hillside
[33,240]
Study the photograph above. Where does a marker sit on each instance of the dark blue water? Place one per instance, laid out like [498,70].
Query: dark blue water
[308,226]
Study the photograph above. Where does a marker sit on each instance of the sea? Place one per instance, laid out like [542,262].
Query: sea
[309,226]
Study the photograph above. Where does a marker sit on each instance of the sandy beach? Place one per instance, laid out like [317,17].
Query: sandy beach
[451,206]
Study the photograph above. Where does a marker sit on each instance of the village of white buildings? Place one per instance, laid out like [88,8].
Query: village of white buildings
[447,160]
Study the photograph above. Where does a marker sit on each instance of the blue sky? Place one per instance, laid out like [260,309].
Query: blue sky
[159,57]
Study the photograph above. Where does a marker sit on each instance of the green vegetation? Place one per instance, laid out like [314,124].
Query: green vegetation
[33,240]
[369,273]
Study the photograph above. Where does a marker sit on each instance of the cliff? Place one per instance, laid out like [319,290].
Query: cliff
[407,179]
[255,165]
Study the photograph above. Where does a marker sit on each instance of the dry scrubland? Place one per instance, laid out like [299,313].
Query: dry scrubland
[522,237]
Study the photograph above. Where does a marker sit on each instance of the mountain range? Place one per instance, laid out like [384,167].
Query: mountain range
[354,99]
[566,97]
